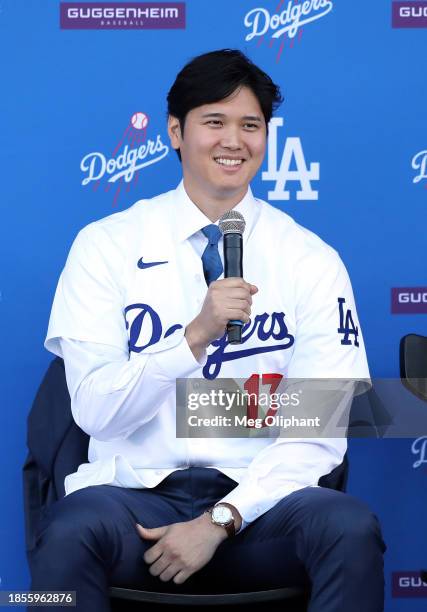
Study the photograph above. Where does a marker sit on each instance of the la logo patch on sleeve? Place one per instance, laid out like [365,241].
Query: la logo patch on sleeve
[347,326]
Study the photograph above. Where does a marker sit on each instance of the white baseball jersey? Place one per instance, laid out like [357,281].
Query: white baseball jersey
[131,284]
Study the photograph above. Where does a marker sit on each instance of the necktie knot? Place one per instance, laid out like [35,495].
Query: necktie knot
[212,233]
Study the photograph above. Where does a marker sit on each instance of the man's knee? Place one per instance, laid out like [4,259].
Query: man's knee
[82,517]
[341,516]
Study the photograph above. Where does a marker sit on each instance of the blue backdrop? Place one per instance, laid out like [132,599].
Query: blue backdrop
[354,119]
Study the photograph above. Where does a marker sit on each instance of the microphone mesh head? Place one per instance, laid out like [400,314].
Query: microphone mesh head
[232,222]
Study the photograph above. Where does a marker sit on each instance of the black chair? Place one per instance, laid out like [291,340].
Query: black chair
[413,364]
[57,446]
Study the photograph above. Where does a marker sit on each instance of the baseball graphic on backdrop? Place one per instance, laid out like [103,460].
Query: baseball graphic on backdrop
[139,121]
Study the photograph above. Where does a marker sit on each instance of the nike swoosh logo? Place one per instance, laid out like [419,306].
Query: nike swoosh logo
[144,266]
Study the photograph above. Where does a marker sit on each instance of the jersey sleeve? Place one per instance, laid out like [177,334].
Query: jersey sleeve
[89,303]
[111,395]
[328,338]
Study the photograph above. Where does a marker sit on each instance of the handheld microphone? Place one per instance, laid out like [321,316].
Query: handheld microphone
[232,225]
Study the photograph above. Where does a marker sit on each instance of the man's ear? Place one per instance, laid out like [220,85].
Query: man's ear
[174,131]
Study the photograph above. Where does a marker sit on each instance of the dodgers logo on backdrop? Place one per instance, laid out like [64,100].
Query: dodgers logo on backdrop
[419,448]
[292,154]
[132,153]
[419,163]
[286,23]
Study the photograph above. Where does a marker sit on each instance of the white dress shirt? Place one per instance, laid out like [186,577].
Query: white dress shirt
[120,329]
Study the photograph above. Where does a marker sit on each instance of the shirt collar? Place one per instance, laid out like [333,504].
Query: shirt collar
[189,219]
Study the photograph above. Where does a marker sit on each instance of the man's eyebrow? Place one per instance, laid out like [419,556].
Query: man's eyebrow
[221,116]
[252,118]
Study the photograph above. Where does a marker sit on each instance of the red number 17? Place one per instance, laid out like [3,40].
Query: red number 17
[252,387]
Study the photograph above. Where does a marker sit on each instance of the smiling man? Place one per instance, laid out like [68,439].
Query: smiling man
[141,302]
[223,148]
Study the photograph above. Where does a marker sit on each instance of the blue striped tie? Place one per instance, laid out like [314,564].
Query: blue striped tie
[212,265]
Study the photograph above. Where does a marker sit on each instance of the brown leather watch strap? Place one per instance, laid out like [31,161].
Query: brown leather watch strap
[230,529]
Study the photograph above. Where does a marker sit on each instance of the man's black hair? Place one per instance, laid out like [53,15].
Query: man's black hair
[213,76]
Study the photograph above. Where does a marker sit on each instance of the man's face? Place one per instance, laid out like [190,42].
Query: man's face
[223,145]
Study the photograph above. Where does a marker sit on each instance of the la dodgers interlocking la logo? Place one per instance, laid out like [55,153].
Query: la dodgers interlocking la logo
[347,326]
[292,152]
[419,162]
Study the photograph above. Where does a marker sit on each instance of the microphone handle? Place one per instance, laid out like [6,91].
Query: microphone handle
[233,266]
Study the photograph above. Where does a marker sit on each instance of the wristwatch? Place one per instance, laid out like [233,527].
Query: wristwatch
[222,515]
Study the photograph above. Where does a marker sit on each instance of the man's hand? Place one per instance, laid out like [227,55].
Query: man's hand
[226,300]
[182,548]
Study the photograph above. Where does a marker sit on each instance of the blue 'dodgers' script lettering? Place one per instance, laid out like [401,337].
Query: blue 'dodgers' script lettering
[266,327]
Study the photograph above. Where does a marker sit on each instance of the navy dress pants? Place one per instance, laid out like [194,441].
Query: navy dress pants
[315,537]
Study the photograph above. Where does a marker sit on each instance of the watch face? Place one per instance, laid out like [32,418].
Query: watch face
[222,515]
